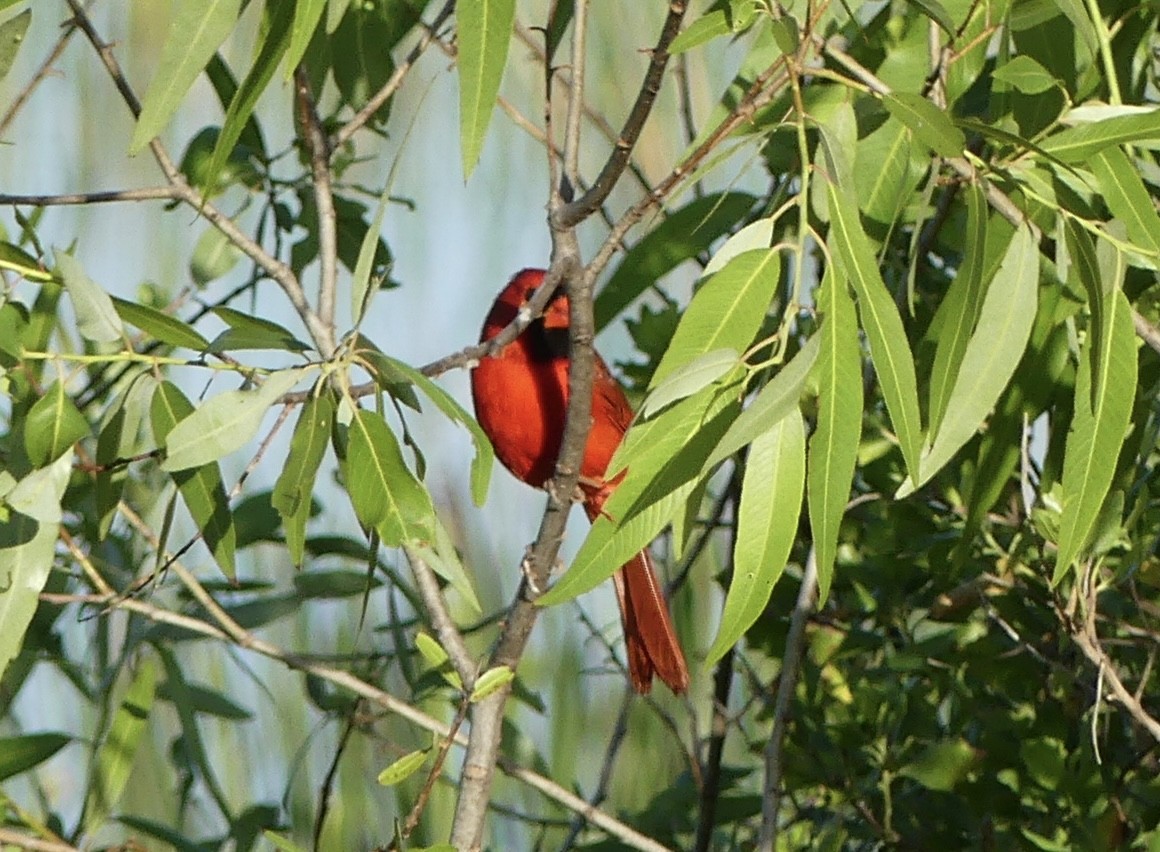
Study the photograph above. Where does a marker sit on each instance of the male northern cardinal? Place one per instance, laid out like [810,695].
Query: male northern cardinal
[521,399]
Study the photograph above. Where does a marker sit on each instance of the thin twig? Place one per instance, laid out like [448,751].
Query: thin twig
[38,77]
[786,683]
[318,147]
[450,639]
[148,193]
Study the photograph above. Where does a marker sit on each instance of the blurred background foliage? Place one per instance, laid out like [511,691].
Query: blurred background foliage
[946,698]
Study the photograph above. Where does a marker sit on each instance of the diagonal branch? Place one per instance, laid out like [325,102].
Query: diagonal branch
[318,146]
[572,214]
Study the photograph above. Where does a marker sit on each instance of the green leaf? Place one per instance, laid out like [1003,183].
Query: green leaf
[199,27]
[11,37]
[360,285]
[115,756]
[887,172]
[884,330]
[1128,199]
[1077,13]
[929,124]
[833,448]
[437,659]
[663,456]
[162,326]
[484,459]
[385,494]
[295,486]
[97,319]
[28,536]
[23,264]
[119,439]
[773,402]
[214,255]
[755,235]
[941,766]
[484,33]
[333,584]
[274,44]
[225,423]
[991,355]
[200,486]
[935,10]
[403,768]
[52,426]
[709,26]
[694,376]
[959,311]
[1103,408]
[1079,143]
[442,557]
[767,523]
[19,754]
[282,844]
[1045,759]
[725,312]
[683,234]
[251,332]
[1026,75]
[491,681]
[307,14]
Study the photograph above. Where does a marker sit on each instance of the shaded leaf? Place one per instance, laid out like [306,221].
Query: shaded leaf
[295,486]
[52,426]
[11,37]
[97,319]
[19,754]
[403,768]
[942,765]
[929,124]
[115,756]
[162,326]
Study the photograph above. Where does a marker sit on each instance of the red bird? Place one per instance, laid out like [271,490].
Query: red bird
[521,399]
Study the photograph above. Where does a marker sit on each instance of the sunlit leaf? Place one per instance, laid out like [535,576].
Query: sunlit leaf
[199,27]
[1077,144]
[224,423]
[485,32]
[929,124]
[1103,407]
[97,319]
[491,681]
[889,348]
[403,768]
[694,376]
[162,326]
[767,523]
[833,448]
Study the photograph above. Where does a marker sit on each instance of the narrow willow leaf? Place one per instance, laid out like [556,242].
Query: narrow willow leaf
[440,554]
[755,235]
[119,439]
[385,494]
[991,355]
[484,460]
[1077,13]
[773,402]
[1125,194]
[491,681]
[295,486]
[683,234]
[960,308]
[725,312]
[767,523]
[160,325]
[1077,144]
[935,10]
[22,263]
[307,14]
[929,124]
[360,285]
[52,426]
[694,376]
[12,34]
[250,332]
[833,448]
[97,319]
[199,27]
[27,546]
[403,768]
[1103,407]
[484,34]
[200,486]
[1085,262]
[19,754]
[438,660]
[225,423]
[888,170]
[115,756]
[274,44]
[663,456]
[1026,75]
[889,348]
